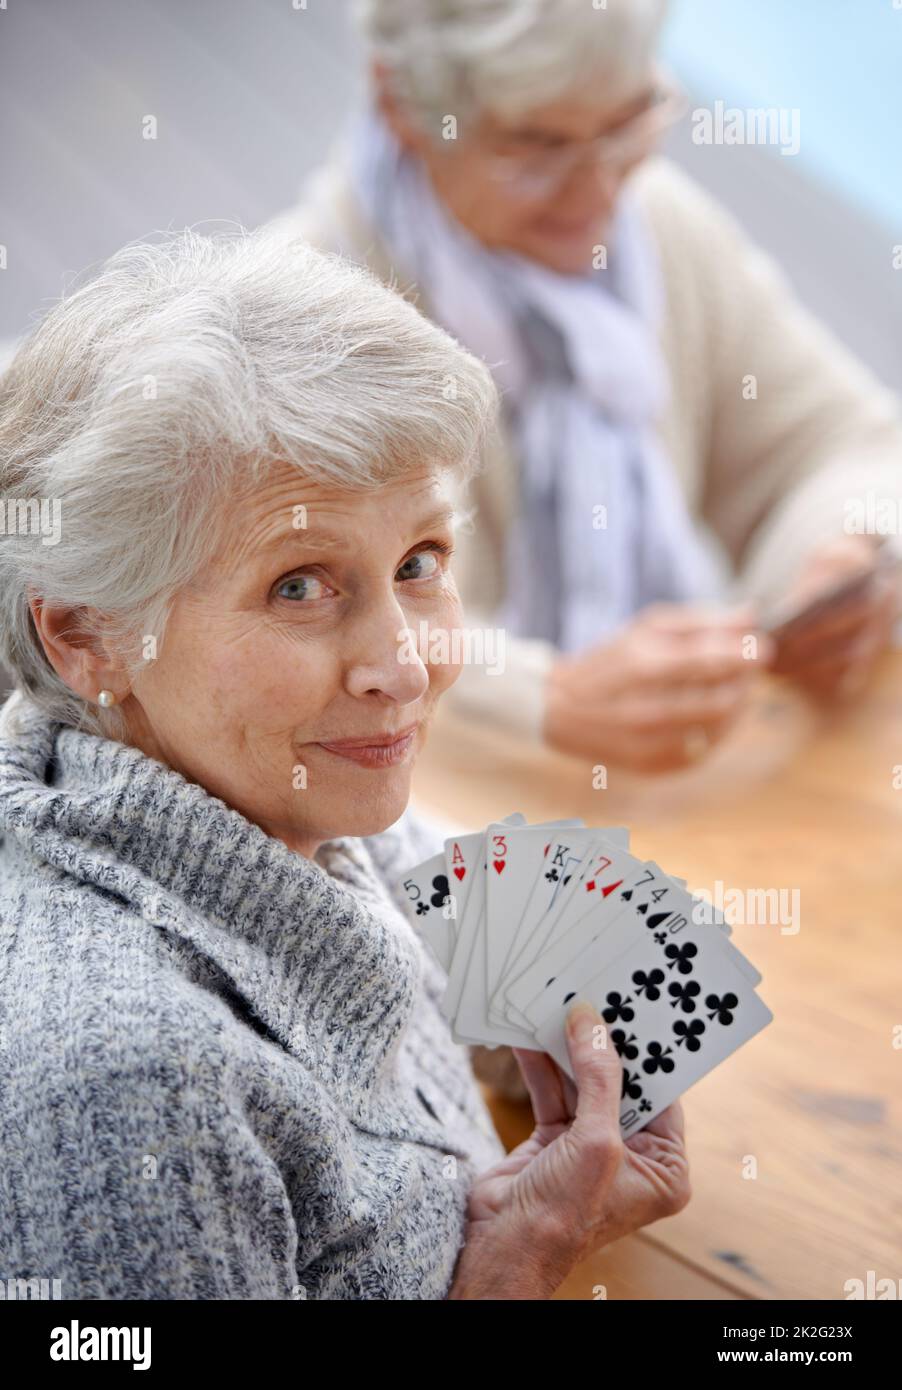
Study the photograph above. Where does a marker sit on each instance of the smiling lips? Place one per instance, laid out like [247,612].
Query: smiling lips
[376,750]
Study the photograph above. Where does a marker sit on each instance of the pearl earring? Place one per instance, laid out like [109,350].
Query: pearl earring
[106,698]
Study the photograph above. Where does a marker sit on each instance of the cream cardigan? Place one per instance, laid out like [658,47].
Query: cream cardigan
[773,427]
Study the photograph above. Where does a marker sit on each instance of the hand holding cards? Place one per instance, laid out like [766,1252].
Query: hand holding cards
[525,918]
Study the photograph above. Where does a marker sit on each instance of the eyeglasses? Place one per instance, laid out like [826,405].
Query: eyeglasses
[533,172]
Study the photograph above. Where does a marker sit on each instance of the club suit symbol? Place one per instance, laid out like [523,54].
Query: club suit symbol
[689,1033]
[617,1008]
[723,1009]
[659,1059]
[631,1089]
[684,995]
[441,891]
[648,983]
[681,957]
[625,1046]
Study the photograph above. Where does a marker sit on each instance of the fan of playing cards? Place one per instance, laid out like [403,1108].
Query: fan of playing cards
[525,917]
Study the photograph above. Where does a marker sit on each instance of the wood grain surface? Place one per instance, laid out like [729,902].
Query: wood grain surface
[797,798]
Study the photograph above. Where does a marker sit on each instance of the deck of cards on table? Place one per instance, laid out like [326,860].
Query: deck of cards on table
[523,918]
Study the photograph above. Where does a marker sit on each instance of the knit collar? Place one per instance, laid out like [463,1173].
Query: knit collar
[331,978]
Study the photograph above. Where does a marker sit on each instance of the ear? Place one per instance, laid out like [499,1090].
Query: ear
[403,127]
[76,650]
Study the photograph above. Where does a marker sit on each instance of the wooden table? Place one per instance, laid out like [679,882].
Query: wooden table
[795,798]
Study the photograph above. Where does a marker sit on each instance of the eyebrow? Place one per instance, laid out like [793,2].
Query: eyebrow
[637,106]
[444,516]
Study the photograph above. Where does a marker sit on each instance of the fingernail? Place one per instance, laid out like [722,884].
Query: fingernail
[580,1009]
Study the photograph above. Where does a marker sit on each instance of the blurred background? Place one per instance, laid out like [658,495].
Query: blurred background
[248,97]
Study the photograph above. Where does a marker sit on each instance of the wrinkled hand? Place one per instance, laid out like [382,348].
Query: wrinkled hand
[574,1185]
[667,686]
[835,653]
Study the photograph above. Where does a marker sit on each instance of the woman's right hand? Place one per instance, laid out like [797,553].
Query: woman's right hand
[660,691]
[574,1185]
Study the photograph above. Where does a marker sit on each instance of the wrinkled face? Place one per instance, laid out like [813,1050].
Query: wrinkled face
[536,185]
[283,684]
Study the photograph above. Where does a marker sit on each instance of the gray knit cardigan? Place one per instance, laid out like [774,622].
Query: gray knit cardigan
[223,1069]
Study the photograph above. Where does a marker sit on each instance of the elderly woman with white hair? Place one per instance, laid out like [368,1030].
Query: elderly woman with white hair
[225,1072]
[681,440]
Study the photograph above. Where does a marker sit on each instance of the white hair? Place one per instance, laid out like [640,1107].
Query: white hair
[461,57]
[188,367]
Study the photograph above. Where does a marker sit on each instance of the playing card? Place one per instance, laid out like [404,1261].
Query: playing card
[741,962]
[434,900]
[653,908]
[469,918]
[567,862]
[672,1016]
[430,908]
[462,858]
[518,862]
[524,993]
[466,999]
[524,918]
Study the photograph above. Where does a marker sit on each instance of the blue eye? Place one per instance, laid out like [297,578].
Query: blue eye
[301,586]
[423,565]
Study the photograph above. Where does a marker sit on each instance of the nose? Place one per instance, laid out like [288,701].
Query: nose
[593,182]
[606,177]
[387,661]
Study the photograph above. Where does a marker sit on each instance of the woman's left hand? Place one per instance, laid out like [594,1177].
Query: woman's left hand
[834,654]
[652,1179]
[574,1185]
